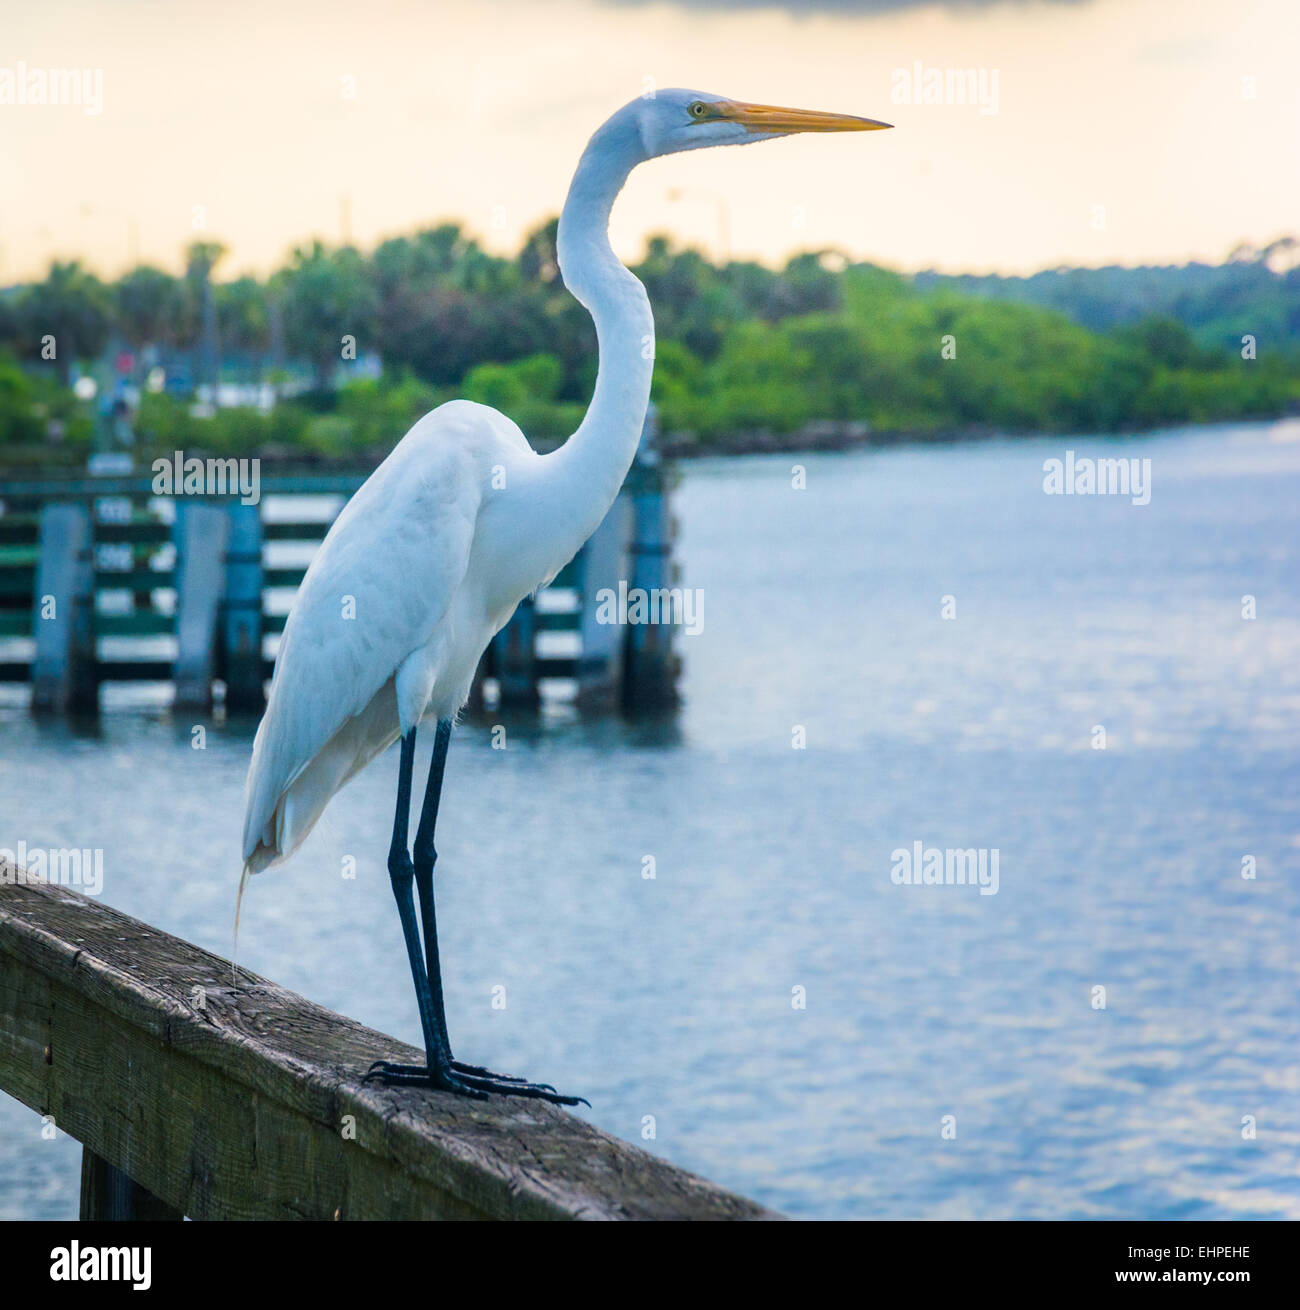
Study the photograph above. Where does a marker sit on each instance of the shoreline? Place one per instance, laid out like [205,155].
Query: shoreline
[815,438]
[823,438]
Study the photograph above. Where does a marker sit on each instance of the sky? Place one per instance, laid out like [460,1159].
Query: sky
[1110,131]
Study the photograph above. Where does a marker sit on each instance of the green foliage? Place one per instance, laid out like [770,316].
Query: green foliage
[1256,292]
[368,417]
[40,421]
[244,314]
[167,423]
[73,308]
[910,360]
[526,391]
[741,348]
[150,306]
[326,295]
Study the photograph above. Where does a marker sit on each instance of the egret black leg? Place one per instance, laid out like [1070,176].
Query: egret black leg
[425,858]
[401,874]
[442,1070]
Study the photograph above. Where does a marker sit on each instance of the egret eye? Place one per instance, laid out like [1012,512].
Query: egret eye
[696,109]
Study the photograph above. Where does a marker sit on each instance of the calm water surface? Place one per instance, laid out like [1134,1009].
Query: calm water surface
[674,997]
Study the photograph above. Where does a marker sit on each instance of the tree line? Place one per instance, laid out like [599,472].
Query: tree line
[742,349]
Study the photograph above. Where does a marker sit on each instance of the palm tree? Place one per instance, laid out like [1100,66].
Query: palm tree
[150,307]
[325,295]
[72,308]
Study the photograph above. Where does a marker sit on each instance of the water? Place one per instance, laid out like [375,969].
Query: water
[672,997]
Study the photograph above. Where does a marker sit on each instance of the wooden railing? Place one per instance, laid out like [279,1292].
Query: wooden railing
[194,570]
[193,1097]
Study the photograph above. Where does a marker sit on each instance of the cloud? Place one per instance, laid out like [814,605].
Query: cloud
[858,8]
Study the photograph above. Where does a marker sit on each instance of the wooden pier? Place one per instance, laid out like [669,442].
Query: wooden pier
[87,561]
[193,1098]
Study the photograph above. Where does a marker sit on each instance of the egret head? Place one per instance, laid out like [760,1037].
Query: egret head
[675,120]
[664,123]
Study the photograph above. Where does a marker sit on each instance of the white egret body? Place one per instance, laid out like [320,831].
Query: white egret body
[463,519]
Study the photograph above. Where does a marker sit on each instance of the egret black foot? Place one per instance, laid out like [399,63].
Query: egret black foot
[418,1075]
[491,1082]
[467,1080]
[386,1069]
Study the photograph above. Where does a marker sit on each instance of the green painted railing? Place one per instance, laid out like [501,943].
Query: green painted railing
[132,545]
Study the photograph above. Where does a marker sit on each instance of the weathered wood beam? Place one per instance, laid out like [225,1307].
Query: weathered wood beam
[63,607]
[247,1102]
[107,1193]
[201,534]
[515,657]
[604,565]
[241,623]
[652,662]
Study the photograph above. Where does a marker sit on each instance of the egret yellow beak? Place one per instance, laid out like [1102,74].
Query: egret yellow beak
[772,118]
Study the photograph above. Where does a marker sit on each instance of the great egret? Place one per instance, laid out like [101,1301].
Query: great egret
[430,557]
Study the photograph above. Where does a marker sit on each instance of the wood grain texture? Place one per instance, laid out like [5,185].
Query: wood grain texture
[107,1193]
[247,1103]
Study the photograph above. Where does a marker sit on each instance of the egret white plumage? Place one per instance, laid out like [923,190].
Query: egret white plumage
[428,560]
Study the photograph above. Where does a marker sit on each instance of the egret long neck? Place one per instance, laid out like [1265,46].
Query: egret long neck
[585,474]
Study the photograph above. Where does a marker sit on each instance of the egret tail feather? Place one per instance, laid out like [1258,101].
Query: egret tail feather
[239,901]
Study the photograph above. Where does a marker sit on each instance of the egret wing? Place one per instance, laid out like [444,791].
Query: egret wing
[377,589]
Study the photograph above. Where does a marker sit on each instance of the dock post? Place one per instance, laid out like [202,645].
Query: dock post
[241,619]
[200,534]
[604,565]
[651,663]
[477,702]
[64,674]
[515,657]
[107,1193]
